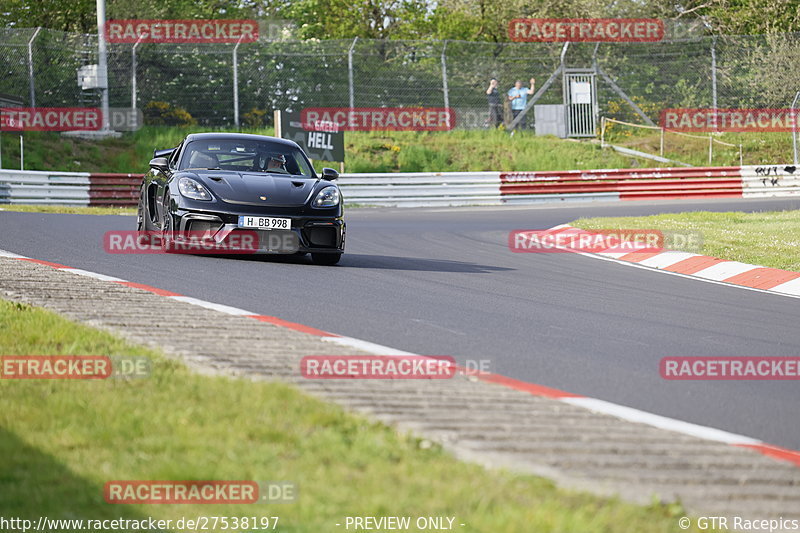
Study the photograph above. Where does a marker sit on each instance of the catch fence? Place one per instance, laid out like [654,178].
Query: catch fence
[634,81]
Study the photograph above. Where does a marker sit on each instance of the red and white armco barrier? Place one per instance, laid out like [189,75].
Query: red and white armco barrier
[651,183]
[421,189]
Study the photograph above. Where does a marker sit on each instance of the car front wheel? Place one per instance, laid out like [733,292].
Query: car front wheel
[167,244]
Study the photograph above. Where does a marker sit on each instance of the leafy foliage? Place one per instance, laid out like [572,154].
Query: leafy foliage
[164,114]
[481,20]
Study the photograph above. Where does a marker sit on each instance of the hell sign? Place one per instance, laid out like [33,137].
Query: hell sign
[320,140]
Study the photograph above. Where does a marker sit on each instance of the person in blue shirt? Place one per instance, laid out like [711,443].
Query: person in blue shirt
[519,99]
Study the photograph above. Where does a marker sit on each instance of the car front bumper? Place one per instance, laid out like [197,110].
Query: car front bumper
[309,233]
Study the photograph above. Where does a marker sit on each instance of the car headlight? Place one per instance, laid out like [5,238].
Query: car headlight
[327,197]
[191,189]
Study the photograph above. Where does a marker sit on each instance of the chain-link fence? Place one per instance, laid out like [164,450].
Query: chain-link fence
[40,67]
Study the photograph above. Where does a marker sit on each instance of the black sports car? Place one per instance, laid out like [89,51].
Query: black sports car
[218,184]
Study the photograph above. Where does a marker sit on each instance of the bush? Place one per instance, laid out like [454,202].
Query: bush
[254,118]
[164,114]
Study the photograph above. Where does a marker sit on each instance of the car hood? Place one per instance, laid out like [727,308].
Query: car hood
[252,188]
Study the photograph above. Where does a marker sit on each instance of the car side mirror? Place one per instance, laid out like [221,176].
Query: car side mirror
[163,153]
[159,163]
[329,174]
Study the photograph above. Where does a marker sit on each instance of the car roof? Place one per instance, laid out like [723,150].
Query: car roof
[239,137]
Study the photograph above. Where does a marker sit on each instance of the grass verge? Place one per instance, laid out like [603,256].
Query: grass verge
[484,150]
[60,441]
[769,239]
[458,150]
[758,148]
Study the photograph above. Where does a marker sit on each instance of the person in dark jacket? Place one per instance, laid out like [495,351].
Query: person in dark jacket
[495,106]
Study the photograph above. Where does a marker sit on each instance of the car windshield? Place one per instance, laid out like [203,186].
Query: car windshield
[245,156]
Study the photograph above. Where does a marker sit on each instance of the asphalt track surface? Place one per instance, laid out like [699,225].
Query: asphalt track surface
[443,282]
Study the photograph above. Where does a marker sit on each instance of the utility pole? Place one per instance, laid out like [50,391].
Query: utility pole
[102,63]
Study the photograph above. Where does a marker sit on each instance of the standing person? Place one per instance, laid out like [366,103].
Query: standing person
[519,99]
[495,108]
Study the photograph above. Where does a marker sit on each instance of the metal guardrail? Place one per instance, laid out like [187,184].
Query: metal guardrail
[33,187]
[435,189]
[68,188]
[770,180]
[422,189]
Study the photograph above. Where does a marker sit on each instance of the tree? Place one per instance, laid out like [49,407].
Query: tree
[81,15]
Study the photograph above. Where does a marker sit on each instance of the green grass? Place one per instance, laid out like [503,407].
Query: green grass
[769,239]
[473,151]
[65,209]
[757,148]
[60,441]
[458,150]
[365,151]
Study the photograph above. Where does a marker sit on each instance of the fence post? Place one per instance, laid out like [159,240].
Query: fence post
[236,82]
[710,148]
[661,151]
[444,83]
[133,72]
[714,78]
[794,126]
[350,73]
[602,132]
[102,62]
[30,67]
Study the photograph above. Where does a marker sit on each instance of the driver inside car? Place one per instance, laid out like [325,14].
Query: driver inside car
[270,163]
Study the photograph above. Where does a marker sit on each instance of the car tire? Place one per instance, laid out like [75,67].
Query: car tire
[141,215]
[167,245]
[325,259]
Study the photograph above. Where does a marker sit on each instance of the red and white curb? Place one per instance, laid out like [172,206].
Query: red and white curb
[599,406]
[701,267]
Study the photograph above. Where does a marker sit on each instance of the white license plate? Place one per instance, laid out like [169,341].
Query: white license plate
[265,222]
